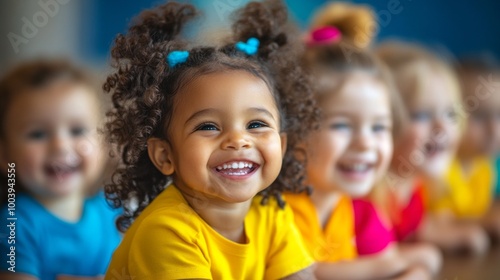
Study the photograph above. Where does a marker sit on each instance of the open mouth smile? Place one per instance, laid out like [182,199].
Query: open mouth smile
[434,149]
[60,171]
[355,171]
[237,168]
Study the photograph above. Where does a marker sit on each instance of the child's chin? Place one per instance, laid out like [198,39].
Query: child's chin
[62,190]
[435,170]
[358,191]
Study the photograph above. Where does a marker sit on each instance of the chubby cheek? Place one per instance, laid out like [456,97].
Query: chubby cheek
[271,149]
[453,135]
[91,153]
[29,166]
[412,142]
[385,153]
[420,132]
[188,159]
[471,135]
[323,149]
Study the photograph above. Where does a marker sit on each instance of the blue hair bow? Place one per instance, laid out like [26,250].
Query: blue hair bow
[250,47]
[176,57]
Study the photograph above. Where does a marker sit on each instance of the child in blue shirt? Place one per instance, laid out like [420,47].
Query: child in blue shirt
[51,156]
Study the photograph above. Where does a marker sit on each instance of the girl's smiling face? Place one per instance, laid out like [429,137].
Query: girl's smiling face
[352,149]
[481,135]
[224,137]
[431,138]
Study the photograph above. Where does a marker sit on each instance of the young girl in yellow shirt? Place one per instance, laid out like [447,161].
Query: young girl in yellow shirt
[203,132]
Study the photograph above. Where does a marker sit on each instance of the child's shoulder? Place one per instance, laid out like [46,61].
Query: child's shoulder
[269,214]
[372,234]
[168,212]
[99,205]
[366,214]
[23,207]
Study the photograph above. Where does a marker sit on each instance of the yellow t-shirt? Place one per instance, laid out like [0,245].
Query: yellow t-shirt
[170,241]
[467,197]
[337,241]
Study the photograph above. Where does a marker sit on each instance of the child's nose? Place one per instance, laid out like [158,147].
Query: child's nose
[363,139]
[60,144]
[438,128]
[236,140]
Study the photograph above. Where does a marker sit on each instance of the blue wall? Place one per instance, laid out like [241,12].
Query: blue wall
[464,27]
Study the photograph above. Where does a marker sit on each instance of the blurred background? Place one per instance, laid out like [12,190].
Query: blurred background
[83,30]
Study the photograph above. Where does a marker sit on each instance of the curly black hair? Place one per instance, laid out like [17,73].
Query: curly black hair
[144,88]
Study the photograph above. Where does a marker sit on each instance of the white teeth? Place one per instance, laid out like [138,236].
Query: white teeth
[234,165]
[357,167]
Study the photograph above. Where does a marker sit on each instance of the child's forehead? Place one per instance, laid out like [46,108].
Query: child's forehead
[235,81]
[62,99]
[432,86]
[335,83]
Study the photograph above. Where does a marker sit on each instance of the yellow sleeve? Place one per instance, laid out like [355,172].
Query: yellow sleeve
[481,188]
[167,248]
[455,197]
[288,254]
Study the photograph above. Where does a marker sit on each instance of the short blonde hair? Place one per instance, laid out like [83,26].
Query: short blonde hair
[411,65]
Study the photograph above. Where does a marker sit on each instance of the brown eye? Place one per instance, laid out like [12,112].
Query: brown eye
[257,124]
[339,126]
[37,135]
[206,126]
[421,116]
[78,131]
[379,128]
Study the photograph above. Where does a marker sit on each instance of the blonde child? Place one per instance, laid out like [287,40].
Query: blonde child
[474,171]
[348,155]
[431,94]
[49,141]
[203,134]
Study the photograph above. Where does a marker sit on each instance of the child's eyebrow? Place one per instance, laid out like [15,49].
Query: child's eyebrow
[200,113]
[333,114]
[210,111]
[262,110]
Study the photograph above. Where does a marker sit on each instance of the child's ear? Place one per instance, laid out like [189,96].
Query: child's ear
[160,153]
[284,138]
[299,151]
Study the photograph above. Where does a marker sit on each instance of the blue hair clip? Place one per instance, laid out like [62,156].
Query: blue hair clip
[250,47]
[176,57]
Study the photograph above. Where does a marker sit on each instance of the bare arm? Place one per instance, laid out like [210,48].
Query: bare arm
[453,235]
[491,221]
[304,274]
[415,273]
[384,265]
[422,254]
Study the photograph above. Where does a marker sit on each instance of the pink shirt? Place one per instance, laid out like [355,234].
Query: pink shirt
[372,236]
[410,215]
